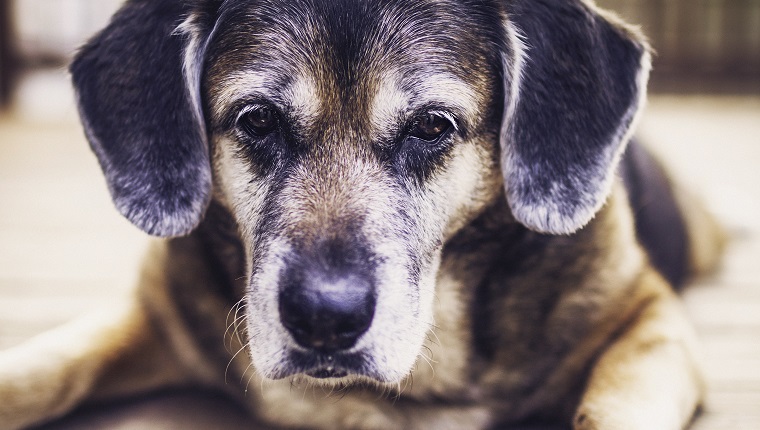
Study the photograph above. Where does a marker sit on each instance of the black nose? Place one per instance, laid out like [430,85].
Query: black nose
[326,312]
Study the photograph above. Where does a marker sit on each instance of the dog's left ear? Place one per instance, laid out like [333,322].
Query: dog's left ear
[137,85]
[575,81]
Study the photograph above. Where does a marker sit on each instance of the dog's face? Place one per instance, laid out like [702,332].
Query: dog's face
[347,154]
[350,140]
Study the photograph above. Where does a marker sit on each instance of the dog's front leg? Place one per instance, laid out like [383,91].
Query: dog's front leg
[648,379]
[111,353]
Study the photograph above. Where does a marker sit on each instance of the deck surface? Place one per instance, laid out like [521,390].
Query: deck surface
[64,250]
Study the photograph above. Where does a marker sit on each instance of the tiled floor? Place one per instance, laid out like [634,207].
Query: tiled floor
[64,250]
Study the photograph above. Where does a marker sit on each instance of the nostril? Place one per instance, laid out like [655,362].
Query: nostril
[327,315]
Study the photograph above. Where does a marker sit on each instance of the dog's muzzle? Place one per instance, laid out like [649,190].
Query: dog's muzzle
[327,302]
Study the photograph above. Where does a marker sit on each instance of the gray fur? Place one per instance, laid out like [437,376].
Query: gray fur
[314,120]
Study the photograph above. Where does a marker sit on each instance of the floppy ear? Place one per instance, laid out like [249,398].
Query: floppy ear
[575,81]
[137,85]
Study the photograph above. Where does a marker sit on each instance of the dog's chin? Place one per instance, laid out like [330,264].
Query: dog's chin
[336,369]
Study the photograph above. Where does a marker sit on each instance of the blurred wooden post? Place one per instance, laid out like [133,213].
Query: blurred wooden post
[6,61]
[701,45]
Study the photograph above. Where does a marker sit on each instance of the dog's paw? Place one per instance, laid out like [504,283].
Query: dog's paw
[583,421]
[590,420]
[624,418]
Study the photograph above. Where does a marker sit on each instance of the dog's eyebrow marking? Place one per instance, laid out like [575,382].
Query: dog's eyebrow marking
[395,97]
[239,87]
[302,97]
[450,89]
[388,101]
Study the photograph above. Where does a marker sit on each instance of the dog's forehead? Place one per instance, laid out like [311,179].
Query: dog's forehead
[343,52]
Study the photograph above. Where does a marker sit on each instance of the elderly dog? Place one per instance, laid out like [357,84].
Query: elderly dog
[416,205]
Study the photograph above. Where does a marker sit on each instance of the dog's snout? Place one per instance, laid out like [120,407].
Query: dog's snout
[327,313]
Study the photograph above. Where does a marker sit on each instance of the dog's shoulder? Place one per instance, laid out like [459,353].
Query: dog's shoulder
[543,304]
[191,287]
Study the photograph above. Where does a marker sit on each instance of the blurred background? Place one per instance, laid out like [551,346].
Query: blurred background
[64,250]
[702,45]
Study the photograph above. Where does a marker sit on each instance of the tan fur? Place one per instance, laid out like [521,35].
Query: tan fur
[658,343]
[708,239]
[500,325]
[103,356]
[639,329]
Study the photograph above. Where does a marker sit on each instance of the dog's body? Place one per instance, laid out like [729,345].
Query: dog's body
[386,202]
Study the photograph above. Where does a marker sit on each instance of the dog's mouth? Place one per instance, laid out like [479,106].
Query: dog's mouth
[327,373]
[326,366]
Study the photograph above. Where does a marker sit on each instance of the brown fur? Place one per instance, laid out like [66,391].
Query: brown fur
[481,319]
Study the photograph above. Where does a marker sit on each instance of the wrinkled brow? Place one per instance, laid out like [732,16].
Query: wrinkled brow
[397,96]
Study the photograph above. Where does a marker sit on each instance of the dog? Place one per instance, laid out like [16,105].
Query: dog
[383,215]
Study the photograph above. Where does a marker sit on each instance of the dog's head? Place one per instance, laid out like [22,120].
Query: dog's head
[350,139]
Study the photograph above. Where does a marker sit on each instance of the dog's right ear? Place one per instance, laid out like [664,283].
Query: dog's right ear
[575,82]
[137,85]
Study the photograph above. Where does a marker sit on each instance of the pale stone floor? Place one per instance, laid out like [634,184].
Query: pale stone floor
[64,250]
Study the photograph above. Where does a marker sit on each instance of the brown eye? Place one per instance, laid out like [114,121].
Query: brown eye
[259,121]
[430,127]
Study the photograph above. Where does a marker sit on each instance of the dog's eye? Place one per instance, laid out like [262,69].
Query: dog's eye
[258,121]
[430,127]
